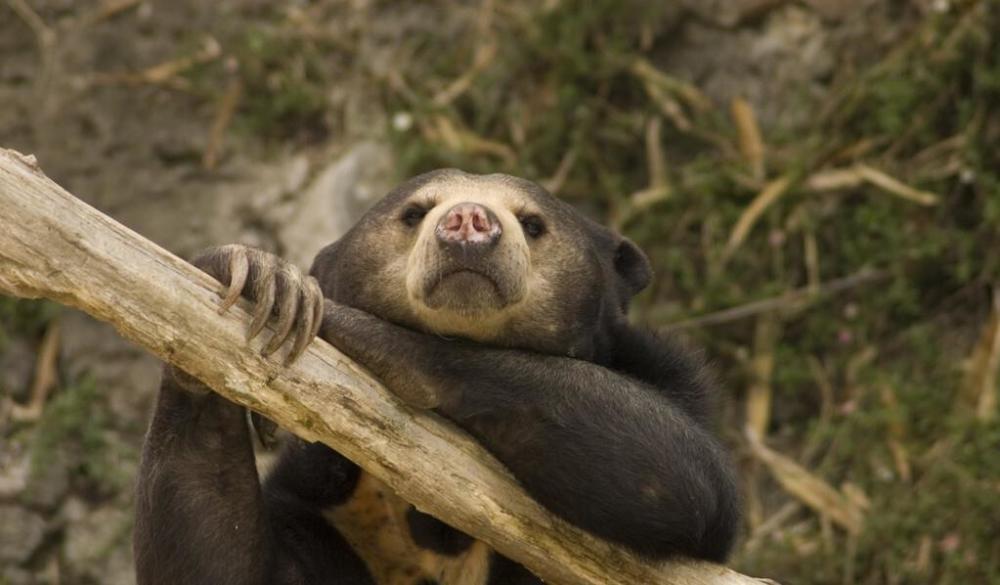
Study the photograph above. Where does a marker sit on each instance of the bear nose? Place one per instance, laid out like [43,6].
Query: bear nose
[469,223]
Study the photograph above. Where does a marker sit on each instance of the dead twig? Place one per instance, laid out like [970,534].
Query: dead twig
[441,129]
[555,183]
[656,160]
[109,9]
[790,300]
[671,95]
[809,489]
[223,117]
[765,199]
[751,142]
[838,179]
[896,187]
[686,92]
[758,406]
[44,35]
[897,432]
[772,524]
[816,438]
[165,73]
[46,39]
[46,378]
[659,182]
[979,387]
[483,58]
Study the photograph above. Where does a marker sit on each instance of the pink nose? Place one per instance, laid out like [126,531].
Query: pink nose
[469,223]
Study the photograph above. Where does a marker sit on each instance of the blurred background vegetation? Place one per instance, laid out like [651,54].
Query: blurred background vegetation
[816,183]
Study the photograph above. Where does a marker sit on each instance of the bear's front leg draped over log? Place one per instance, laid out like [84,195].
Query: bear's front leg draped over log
[601,448]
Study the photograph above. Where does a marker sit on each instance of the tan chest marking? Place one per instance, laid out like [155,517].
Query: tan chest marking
[374,522]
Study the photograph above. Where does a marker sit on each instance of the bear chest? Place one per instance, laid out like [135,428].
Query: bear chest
[374,522]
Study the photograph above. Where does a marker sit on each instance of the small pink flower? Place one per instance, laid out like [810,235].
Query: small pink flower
[950,543]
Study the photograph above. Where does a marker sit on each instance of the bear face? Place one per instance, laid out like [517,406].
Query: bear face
[491,258]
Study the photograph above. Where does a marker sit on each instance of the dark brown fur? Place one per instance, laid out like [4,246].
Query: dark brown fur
[524,343]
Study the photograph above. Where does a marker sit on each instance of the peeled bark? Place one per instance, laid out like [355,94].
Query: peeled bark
[53,245]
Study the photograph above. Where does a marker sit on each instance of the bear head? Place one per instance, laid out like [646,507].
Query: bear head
[491,258]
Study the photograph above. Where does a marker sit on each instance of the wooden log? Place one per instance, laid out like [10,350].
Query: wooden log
[53,245]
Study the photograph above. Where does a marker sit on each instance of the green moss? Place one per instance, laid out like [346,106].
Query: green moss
[24,318]
[954,506]
[284,92]
[72,431]
[283,82]
[562,77]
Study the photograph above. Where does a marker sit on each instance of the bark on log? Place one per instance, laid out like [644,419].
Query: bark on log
[55,246]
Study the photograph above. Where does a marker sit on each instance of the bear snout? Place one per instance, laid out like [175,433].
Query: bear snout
[468,224]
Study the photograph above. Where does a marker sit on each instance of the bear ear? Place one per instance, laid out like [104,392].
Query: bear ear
[632,266]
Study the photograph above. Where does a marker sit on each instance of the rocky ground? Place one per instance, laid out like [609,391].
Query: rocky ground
[197,123]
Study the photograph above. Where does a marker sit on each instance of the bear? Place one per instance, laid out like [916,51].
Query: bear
[496,305]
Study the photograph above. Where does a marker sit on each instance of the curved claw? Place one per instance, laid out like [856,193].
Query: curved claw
[264,293]
[239,267]
[288,307]
[313,284]
[311,297]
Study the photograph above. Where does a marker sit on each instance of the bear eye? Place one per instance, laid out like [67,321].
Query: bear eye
[412,215]
[533,225]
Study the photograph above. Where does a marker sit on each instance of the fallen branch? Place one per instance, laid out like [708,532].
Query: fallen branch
[55,246]
[788,301]
[824,499]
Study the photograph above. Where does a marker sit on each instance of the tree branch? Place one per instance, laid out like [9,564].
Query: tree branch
[55,246]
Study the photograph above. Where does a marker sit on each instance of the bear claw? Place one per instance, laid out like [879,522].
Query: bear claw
[312,317]
[264,294]
[288,307]
[275,288]
[239,267]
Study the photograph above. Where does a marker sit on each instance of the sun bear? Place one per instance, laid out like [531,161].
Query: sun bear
[503,309]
